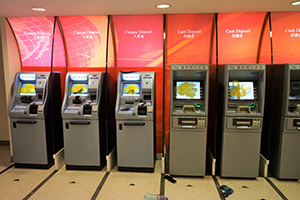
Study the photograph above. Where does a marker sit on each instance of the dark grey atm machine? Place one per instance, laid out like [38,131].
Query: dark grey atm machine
[242,89]
[35,119]
[285,122]
[135,118]
[84,121]
[188,119]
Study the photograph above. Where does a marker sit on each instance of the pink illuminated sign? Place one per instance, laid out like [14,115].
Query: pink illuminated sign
[139,40]
[86,38]
[34,37]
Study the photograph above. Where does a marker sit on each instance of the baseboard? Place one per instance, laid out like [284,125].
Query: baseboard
[59,159]
[211,162]
[111,160]
[263,166]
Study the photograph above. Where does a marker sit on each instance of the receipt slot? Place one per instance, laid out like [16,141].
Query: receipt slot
[84,121]
[285,122]
[242,92]
[188,119]
[35,119]
[135,120]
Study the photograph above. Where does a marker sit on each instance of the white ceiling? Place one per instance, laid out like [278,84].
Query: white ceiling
[21,8]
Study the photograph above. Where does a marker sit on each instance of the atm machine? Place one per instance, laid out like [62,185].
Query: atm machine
[285,122]
[241,90]
[84,121]
[35,119]
[135,120]
[188,119]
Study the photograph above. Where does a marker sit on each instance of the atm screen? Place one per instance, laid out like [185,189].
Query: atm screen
[241,90]
[188,90]
[27,89]
[294,93]
[79,89]
[131,89]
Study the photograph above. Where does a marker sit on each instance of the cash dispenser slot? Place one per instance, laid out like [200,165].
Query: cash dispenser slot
[242,123]
[296,123]
[187,122]
[33,109]
[142,110]
[87,110]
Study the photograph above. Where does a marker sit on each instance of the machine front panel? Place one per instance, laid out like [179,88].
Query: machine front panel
[188,152]
[240,154]
[82,142]
[29,99]
[29,141]
[135,140]
[82,95]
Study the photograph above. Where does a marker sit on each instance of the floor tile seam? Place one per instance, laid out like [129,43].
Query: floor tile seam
[100,186]
[217,184]
[273,185]
[40,185]
[7,168]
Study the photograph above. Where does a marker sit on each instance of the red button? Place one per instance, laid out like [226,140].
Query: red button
[191,67]
[199,67]
[251,67]
[203,67]
[195,67]
[243,67]
[238,67]
[261,67]
[256,67]
[182,67]
[247,67]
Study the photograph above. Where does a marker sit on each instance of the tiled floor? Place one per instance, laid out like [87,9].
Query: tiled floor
[17,183]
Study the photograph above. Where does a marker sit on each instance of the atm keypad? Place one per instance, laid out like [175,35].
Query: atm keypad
[201,121]
[256,122]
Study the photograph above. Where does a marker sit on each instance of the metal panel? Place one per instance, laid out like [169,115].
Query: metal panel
[82,143]
[289,167]
[135,144]
[187,152]
[29,141]
[240,154]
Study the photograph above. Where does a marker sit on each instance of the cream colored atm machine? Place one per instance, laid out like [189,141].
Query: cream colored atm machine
[188,119]
[84,121]
[35,119]
[285,124]
[242,96]
[135,118]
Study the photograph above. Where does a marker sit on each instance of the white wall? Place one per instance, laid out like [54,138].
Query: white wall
[9,65]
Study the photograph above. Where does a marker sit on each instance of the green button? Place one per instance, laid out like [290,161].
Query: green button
[252,105]
[198,105]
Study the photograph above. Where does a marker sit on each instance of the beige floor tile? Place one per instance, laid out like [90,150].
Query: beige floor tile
[191,188]
[60,186]
[118,184]
[10,189]
[257,188]
[290,189]
[87,179]
[4,157]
